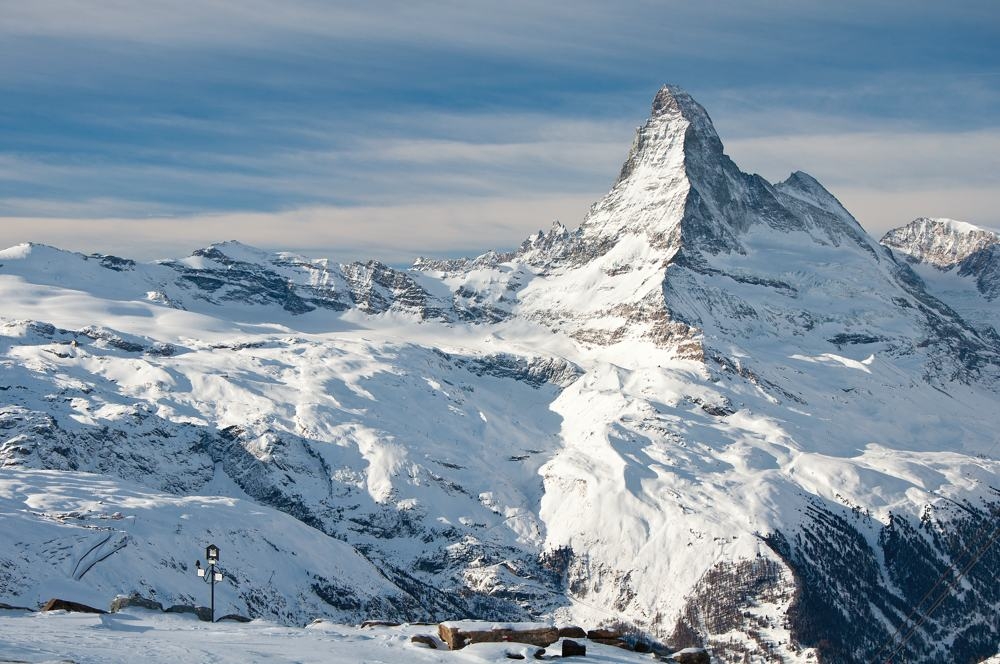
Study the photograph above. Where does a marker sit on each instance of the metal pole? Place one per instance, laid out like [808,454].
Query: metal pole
[213,591]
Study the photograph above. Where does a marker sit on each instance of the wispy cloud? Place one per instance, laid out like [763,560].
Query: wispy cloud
[391,233]
[486,155]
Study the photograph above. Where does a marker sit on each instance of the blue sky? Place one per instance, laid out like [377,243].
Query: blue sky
[393,129]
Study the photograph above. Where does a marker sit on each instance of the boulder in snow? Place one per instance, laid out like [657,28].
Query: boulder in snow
[56,604]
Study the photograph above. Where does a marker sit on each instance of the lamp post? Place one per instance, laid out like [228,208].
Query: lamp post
[210,575]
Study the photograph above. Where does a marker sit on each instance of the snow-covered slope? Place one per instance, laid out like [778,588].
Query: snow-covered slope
[959,262]
[717,409]
[71,530]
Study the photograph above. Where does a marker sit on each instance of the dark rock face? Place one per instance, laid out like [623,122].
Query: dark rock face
[114,339]
[376,288]
[300,286]
[238,281]
[930,579]
[536,372]
[115,263]
[854,339]
[984,266]
[171,461]
[270,481]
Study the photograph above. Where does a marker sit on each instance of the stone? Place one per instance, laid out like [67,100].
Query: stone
[234,617]
[379,623]
[203,612]
[56,604]
[572,632]
[573,649]
[124,601]
[691,656]
[424,639]
[8,607]
[457,638]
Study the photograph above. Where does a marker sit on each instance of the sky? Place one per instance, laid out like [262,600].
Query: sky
[395,129]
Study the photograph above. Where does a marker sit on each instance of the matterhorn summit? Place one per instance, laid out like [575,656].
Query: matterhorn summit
[717,410]
[678,187]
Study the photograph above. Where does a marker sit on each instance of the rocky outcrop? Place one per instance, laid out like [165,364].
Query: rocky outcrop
[460,634]
[125,601]
[376,288]
[56,604]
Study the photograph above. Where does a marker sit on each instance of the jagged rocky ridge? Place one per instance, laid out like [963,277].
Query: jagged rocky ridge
[943,243]
[958,262]
[717,409]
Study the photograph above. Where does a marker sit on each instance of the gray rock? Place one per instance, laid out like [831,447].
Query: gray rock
[125,601]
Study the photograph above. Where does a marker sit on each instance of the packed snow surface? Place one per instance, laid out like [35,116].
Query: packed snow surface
[168,639]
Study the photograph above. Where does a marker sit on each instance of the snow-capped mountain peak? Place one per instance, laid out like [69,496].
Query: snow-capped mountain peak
[940,242]
[958,262]
[234,250]
[677,124]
